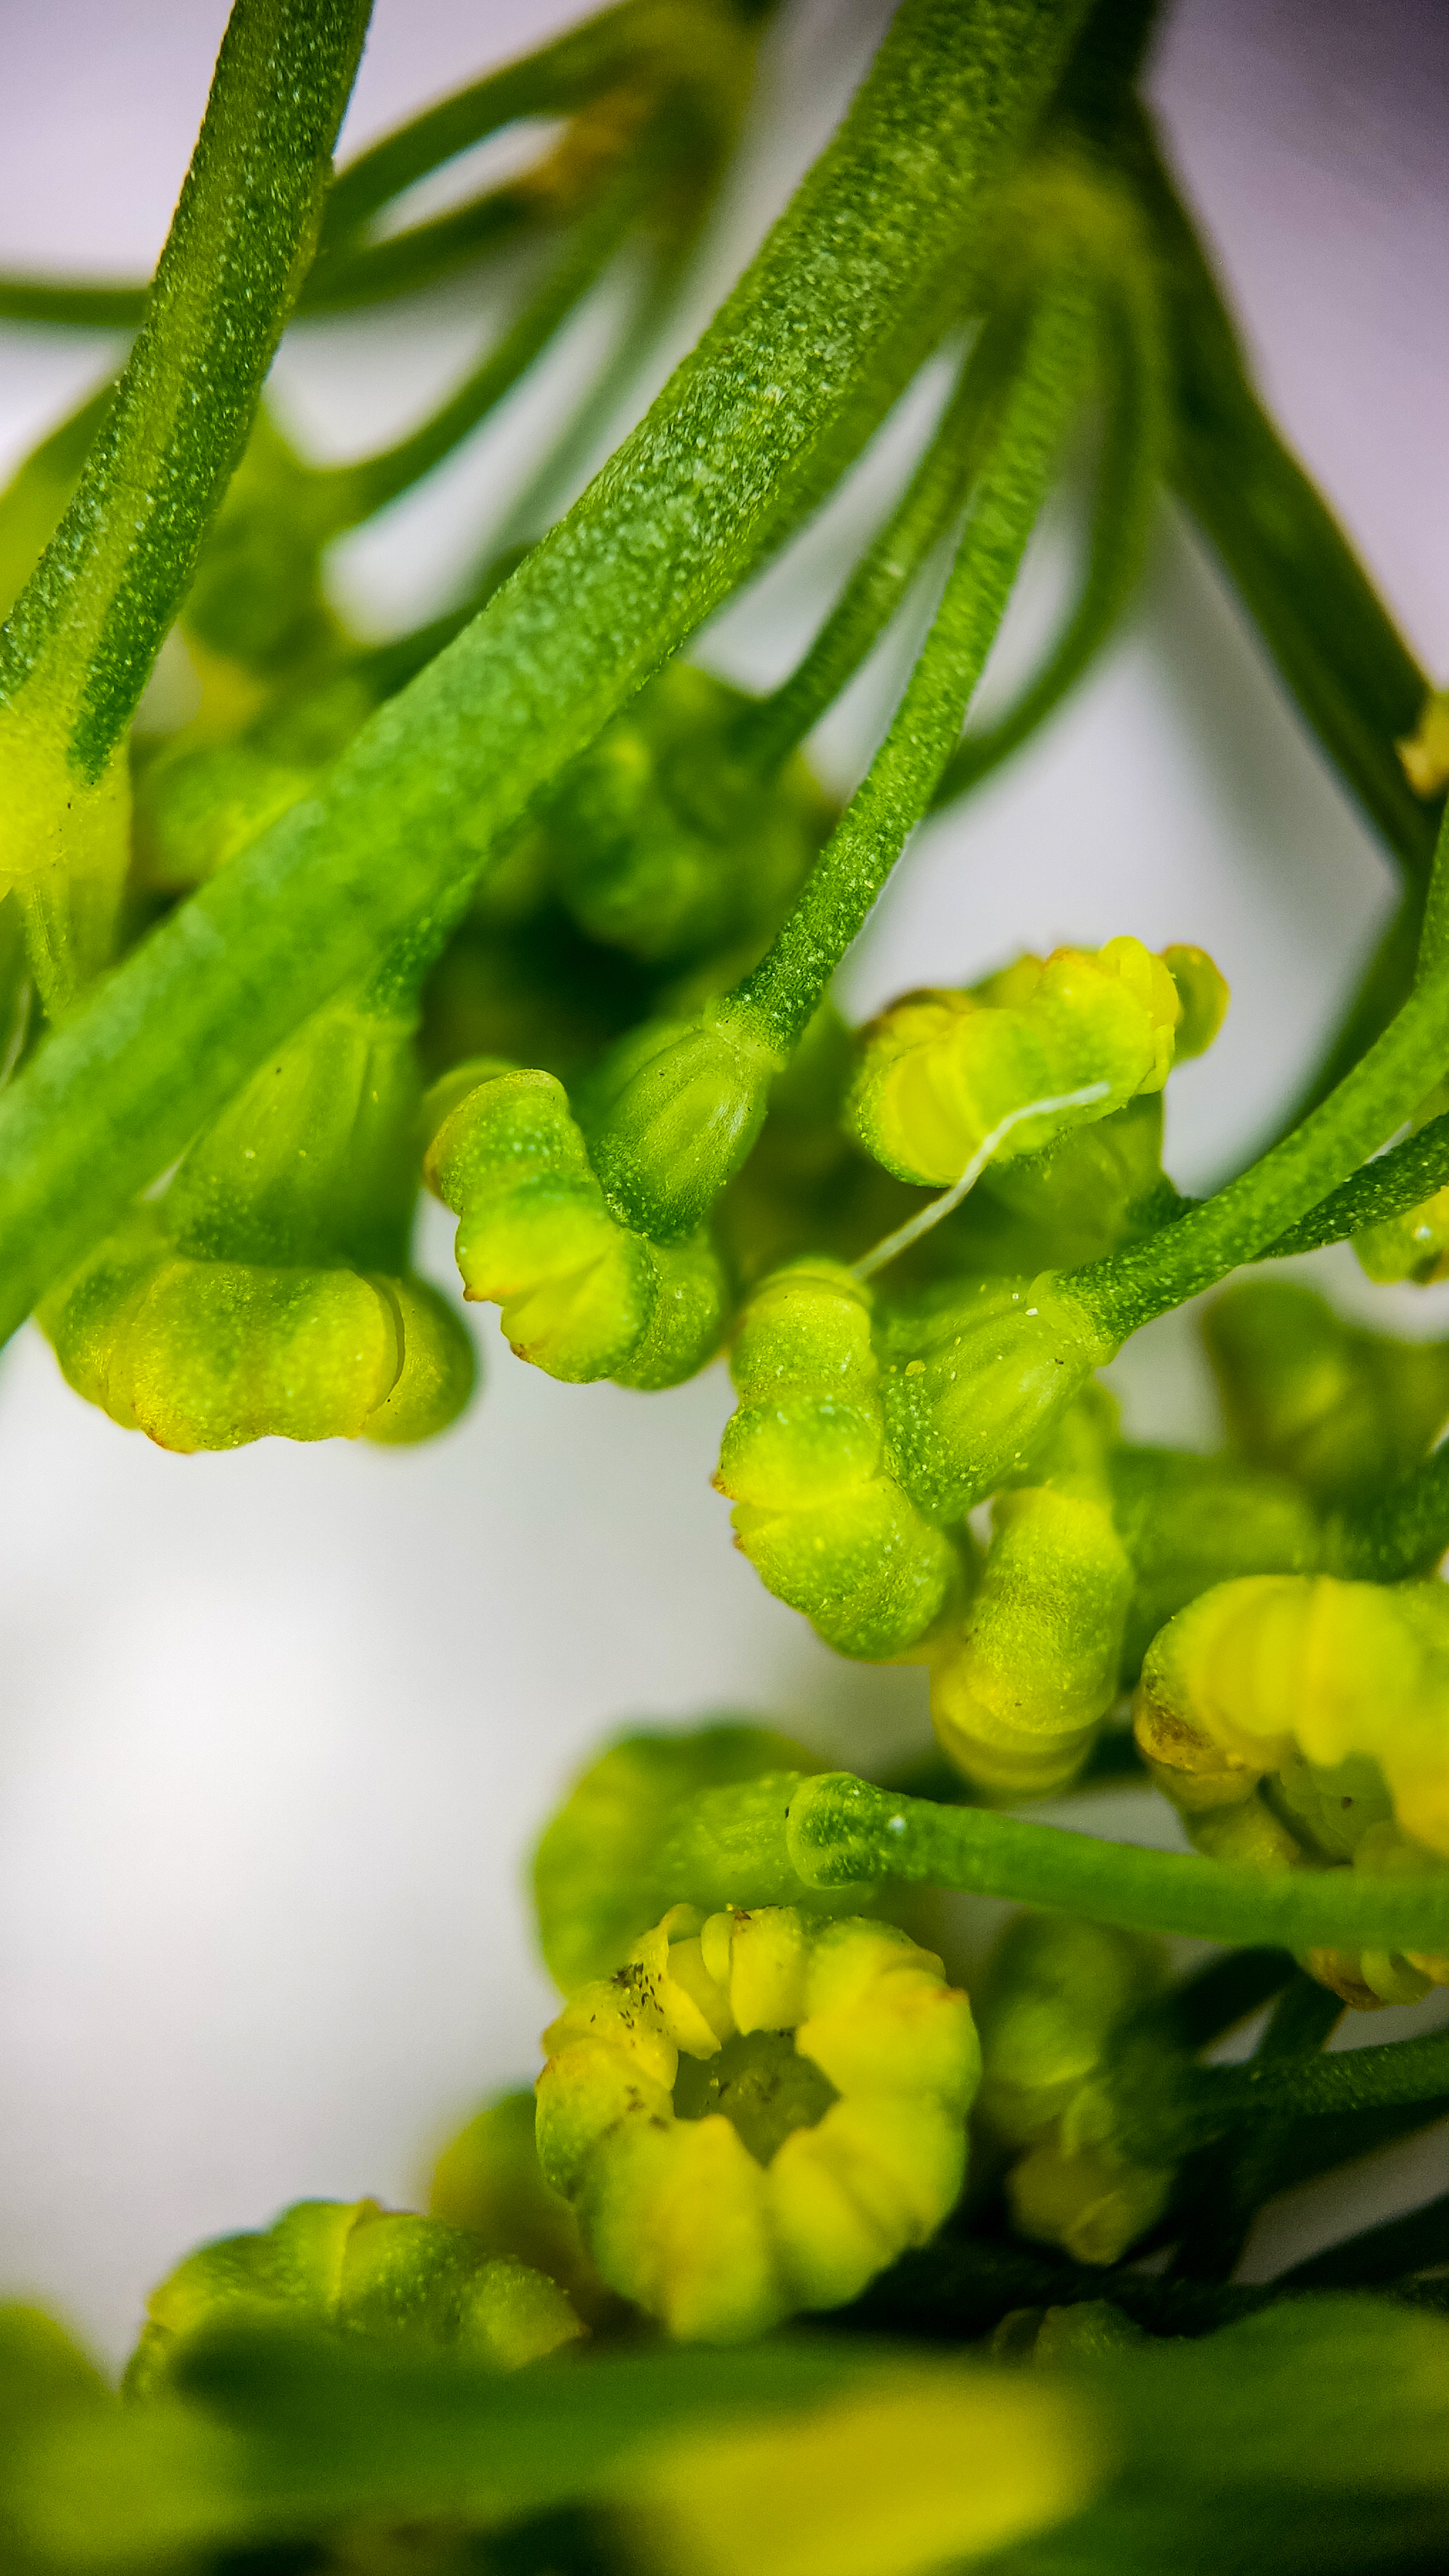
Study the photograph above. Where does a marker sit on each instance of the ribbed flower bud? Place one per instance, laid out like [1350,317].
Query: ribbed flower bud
[488,2180]
[357,2268]
[582,1295]
[1019,1688]
[757,2113]
[1341,1409]
[940,1071]
[673,1112]
[974,1379]
[818,1512]
[1054,1992]
[267,1292]
[1300,1722]
[660,840]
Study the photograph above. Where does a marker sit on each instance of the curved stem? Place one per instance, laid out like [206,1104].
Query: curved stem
[1233,1226]
[841,1831]
[344,495]
[1357,685]
[829,322]
[1127,486]
[785,989]
[769,732]
[1400,1179]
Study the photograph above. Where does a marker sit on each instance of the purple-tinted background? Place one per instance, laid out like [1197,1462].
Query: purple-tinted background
[277,1728]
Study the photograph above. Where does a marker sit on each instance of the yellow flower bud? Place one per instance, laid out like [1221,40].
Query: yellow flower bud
[582,1296]
[818,1512]
[729,2169]
[974,1381]
[940,1071]
[1341,1409]
[1298,1721]
[1425,752]
[358,2268]
[1019,1688]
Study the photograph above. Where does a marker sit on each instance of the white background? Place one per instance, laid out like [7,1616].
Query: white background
[276,1729]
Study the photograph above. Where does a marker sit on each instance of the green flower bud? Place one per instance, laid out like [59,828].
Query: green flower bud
[974,1379]
[197,801]
[266,1294]
[757,2113]
[660,840]
[1189,1522]
[257,601]
[1300,1722]
[1342,1409]
[488,2181]
[818,1512]
[357,2268]
[673,1113]
[941,1071]
[1203,993]
[1425,752]
[1092,2330]
[583,1296]
[1092,1190]
[1054,1992]
[1019,1689]
[607,1867]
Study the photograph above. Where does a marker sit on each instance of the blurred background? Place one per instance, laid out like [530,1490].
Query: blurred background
[277,1729]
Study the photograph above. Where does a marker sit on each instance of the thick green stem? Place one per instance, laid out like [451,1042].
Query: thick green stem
[1235,1225]
[1400,1179]
[841,1831]
[1350,2079]
[830,321]
[85,631]
[786,988]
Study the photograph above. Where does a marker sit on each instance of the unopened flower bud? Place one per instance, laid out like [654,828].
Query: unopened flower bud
[358,2268]
[818,1512]
[1019,1688]
[1302,1722]
[582,1295]
[941,1071]
[1341,1409]
[662,841]
[673,1113]
[974,1380]
[757,2113]
[1189,1522]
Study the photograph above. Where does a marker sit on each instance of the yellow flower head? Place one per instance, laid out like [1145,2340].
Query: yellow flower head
[1301,1722]
[757,2113]
[941,1071]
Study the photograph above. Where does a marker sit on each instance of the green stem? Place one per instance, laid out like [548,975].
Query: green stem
[785,989]
[830,321]
[1127,487]
[840,1831]
[958,2288]
[1417,2242]
[1355,681]
[344,495]
[769,732]
[1244,2173]
[85,631]
[1400,1179]
[1234,1226]
[1351,2079]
